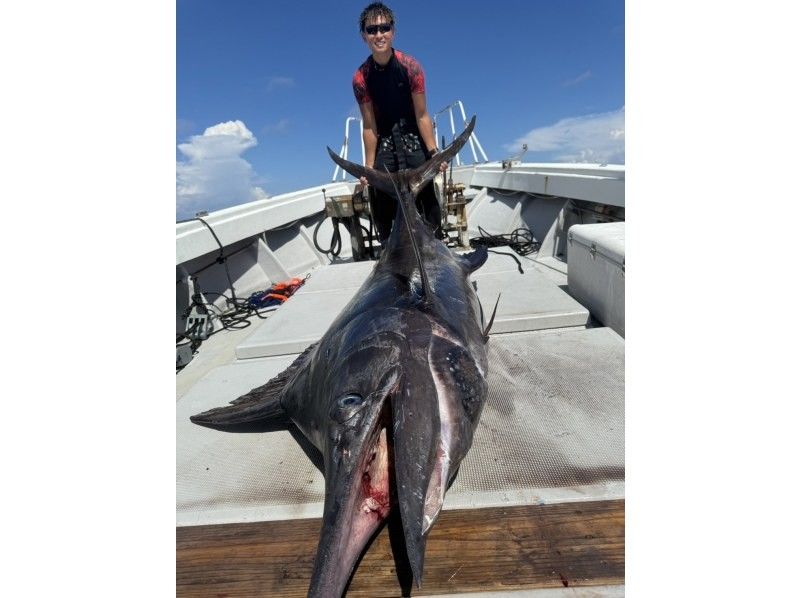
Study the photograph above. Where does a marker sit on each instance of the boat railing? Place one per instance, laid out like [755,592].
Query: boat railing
[346,145]
[473,139]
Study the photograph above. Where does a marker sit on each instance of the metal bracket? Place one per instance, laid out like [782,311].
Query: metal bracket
[515,159]
[198,324]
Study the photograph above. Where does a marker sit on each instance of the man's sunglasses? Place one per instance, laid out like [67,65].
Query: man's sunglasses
[373,29]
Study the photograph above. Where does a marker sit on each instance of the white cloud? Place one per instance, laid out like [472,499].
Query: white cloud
[215,175]
[579,79]
[279,83]
[597,138]
[280,128]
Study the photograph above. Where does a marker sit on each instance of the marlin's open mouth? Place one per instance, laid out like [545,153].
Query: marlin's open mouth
[374,502]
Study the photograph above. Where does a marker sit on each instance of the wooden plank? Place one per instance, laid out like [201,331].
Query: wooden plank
[538,546]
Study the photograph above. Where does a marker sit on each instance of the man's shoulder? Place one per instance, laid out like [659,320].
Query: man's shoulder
[363,68]
[360,83]
[413,70]
[407,60]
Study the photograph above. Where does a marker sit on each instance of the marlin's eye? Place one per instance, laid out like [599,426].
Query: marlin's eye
[346,406]
[351,400]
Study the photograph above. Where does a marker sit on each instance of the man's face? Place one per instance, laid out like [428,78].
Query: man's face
[376,39]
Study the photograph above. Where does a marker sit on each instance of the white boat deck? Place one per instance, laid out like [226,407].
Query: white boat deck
[529,301]
[551,431]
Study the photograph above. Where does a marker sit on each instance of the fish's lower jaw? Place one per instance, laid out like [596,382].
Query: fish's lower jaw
[434,497]
[360,515]
[375,480]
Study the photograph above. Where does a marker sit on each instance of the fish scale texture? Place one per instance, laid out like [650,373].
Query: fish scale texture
[552,430]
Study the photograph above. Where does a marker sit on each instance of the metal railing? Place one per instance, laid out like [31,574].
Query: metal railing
[473,139]
[346,145]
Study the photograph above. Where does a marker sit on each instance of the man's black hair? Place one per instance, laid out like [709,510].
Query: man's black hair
[373,11]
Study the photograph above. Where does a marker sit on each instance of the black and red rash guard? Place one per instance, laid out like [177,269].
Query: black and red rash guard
[389,88]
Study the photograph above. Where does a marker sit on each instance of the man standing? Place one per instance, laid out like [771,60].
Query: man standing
[398,132]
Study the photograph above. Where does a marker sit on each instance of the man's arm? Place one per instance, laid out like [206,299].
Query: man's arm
[370,133]
[424,122]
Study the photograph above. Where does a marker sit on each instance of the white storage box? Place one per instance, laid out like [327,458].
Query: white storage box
[596,275]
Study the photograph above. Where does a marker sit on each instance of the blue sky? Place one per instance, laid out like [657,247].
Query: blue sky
[547,73]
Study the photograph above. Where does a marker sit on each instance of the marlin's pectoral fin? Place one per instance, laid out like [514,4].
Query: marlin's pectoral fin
[475,259]
[259,405]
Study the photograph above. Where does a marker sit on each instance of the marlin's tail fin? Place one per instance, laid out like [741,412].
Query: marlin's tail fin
[420,176]
[417,178]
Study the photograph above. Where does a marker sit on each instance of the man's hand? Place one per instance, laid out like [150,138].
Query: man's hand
[443,165]
[363,181]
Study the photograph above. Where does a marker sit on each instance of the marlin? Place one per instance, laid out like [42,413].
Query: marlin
[392,393]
